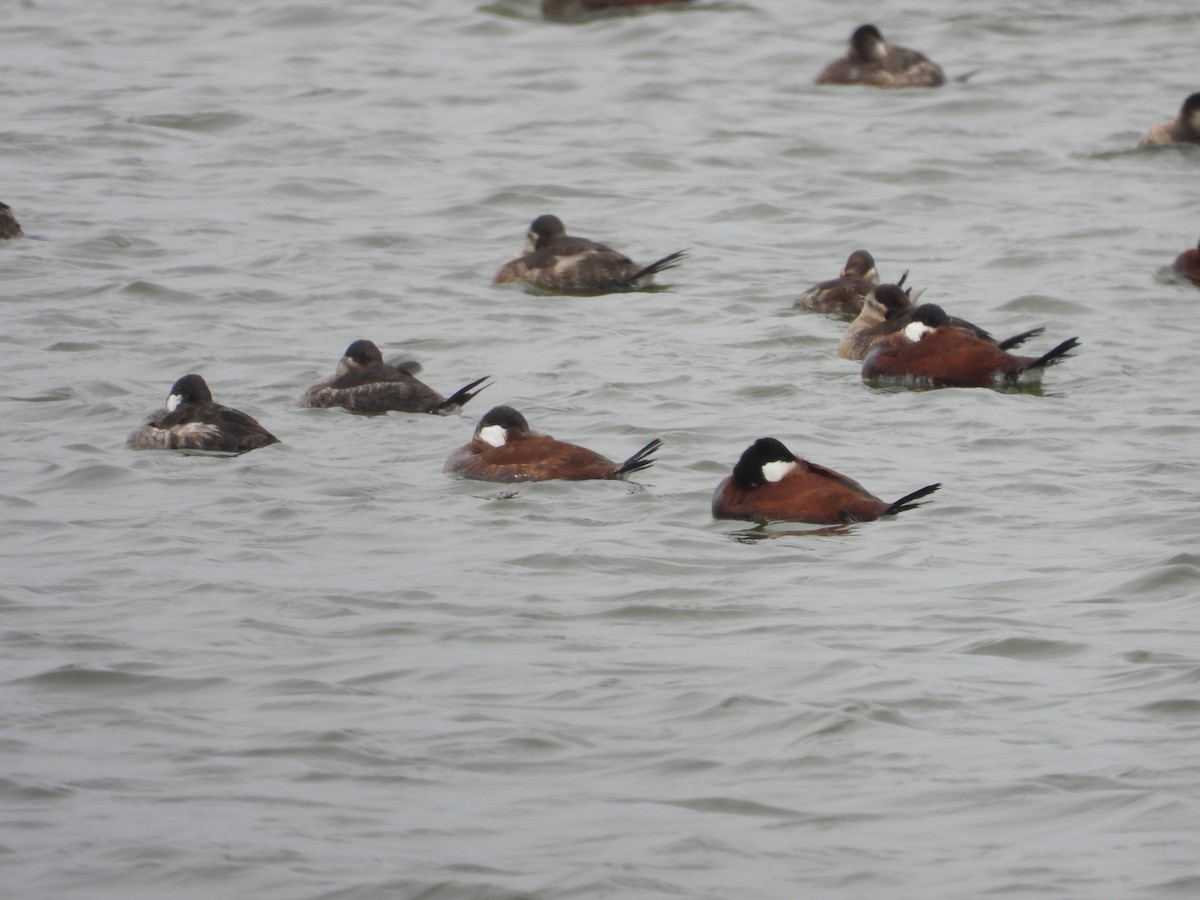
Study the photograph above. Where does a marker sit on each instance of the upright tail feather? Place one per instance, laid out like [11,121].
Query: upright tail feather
[1018,339]
[906,502]
[669,261]
[643,459]
[459,398]
[908,291]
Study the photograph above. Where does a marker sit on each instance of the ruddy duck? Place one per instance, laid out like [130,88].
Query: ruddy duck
[364,383]
[553,261]
[190,420]
[505,449]
[1187,264]
[1183,129]
[578,9]
[844,294]
[889,308]
[931,352]
[873,61]
[9,226]
[771,484]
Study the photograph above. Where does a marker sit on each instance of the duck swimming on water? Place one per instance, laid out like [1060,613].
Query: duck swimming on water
[556,262]
[772,484]
[504,448]
[932,353]
[364,383]
[872,61]
[192,420]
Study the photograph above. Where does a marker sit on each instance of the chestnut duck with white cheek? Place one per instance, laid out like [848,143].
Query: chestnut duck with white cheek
[504,448]
[932,353]
[1187,264]
[890,308]
[772,484]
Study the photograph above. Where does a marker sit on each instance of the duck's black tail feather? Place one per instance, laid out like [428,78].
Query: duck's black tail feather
[643,459]
[669,261]
[1018,339]
[906,502]
[459,398]
[1057,355]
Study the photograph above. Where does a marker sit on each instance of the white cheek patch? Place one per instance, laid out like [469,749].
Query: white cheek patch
[173,402]
[774,471]
[493,435]
[914,331]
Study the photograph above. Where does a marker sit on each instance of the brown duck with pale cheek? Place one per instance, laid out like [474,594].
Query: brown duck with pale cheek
[932,353]
[772,484]
[872,61]
[191,420]
[578,9]
[1187,264]
[505,449]
[556,262]
[364,383]
[9,226]
[1183,129]
[845,294]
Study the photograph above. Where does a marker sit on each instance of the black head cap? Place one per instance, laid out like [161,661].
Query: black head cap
[867,41]
[191,389]
[893,298]
[860,262]
[546,228]
[364,353]
[504,416]
[748,473]
[930,315]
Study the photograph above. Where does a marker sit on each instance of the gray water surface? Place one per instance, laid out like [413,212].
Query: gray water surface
[324,670]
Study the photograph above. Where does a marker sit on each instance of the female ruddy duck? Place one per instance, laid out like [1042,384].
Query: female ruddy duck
[844,294]
[873,61]
[364,383]
[553,261]
[505,449]
[771,484]
[577,9]
[1187,264]
[1183,129]
[9,226]
[190,420]
[889,308]
[932,352]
